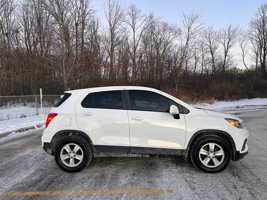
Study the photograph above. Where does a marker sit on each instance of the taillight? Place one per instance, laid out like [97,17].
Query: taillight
[49,118]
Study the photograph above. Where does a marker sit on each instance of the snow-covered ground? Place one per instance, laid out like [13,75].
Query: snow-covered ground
[20,111]
[14,125]
[233,106]
[16,118]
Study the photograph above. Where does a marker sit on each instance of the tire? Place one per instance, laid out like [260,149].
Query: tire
[72,154]
[211,154]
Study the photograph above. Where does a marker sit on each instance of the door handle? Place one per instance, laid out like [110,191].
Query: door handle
[87,113]
[137,118]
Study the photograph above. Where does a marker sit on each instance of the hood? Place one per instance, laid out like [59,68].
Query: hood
[218,114]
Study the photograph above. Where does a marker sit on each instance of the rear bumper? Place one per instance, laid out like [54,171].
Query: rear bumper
[239,156]
[48,148]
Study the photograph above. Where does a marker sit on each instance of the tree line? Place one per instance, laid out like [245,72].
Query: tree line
[61,44]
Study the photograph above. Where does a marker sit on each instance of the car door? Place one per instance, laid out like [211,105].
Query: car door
[151,124]
[103,116]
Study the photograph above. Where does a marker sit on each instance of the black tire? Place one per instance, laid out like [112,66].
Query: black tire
[86,152]
[204,142]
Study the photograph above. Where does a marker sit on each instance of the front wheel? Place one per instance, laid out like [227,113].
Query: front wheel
[73,153]
[211,154]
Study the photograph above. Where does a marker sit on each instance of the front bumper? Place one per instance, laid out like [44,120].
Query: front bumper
[239,156]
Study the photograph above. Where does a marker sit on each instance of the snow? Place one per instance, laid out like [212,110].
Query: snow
[13,119]
[26,132]
[20,111]
[243,104]
[14,125]
[19,117]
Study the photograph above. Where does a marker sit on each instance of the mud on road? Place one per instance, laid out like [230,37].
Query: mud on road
[27,172]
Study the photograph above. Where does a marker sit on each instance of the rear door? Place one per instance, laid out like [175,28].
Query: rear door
[103,116]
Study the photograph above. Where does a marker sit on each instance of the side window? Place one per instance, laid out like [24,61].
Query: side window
[106,100]
[149,101]
[62,99]
[88,101]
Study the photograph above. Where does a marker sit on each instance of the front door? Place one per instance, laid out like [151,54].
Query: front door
[151,124]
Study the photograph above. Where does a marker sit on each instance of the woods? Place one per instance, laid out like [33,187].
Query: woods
[61,44]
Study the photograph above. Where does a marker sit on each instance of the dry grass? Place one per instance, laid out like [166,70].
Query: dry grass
[202,91]
[189,97]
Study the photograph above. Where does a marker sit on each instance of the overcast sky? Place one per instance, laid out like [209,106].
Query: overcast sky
[218,13]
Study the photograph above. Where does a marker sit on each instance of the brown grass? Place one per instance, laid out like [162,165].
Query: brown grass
[203,92]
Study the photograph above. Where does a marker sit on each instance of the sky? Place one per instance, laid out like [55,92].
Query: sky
[218,13]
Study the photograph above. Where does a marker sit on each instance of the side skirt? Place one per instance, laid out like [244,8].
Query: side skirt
[113,150]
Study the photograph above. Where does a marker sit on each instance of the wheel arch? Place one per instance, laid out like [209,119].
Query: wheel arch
[65,133]
[212,132]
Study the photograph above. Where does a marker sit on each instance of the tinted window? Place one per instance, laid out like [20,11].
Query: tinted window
[149,101]
[62,99]
[109,100]
[88,101]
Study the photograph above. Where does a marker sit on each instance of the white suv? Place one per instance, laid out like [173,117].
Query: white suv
[139,120]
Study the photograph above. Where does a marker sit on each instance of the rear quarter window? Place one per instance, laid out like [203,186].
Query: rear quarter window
[62,99]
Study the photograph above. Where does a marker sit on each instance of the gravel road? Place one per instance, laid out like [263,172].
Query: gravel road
[27,172]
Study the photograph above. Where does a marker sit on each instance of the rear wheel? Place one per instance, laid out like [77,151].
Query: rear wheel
[73,153]
[211,154]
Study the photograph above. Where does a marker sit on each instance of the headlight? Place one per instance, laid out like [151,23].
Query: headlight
[235,123]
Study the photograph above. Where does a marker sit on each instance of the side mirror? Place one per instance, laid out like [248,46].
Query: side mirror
[174,110]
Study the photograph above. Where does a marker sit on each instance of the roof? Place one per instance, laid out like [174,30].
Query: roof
[106,88]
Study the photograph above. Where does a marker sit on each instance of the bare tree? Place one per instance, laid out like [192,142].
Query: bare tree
[190,30]
[92,63]
[35,22]
[258,36]
[61,12]
[137,23]
[70,18]
[211,39]
[6,23]
[203,52]
[123,62]
[83,18]
[37,39]
[58,44]
[7,9]
[156,51]
[147,52]
[255,54]
[243,44]
[163,38]
[228,38]
[115,17]
[196,56]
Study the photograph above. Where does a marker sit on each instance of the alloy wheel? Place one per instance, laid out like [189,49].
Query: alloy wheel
[211,155]
[71,155]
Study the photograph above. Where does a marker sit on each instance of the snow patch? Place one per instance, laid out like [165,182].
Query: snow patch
[19,111]
[14,125]
[234,105]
